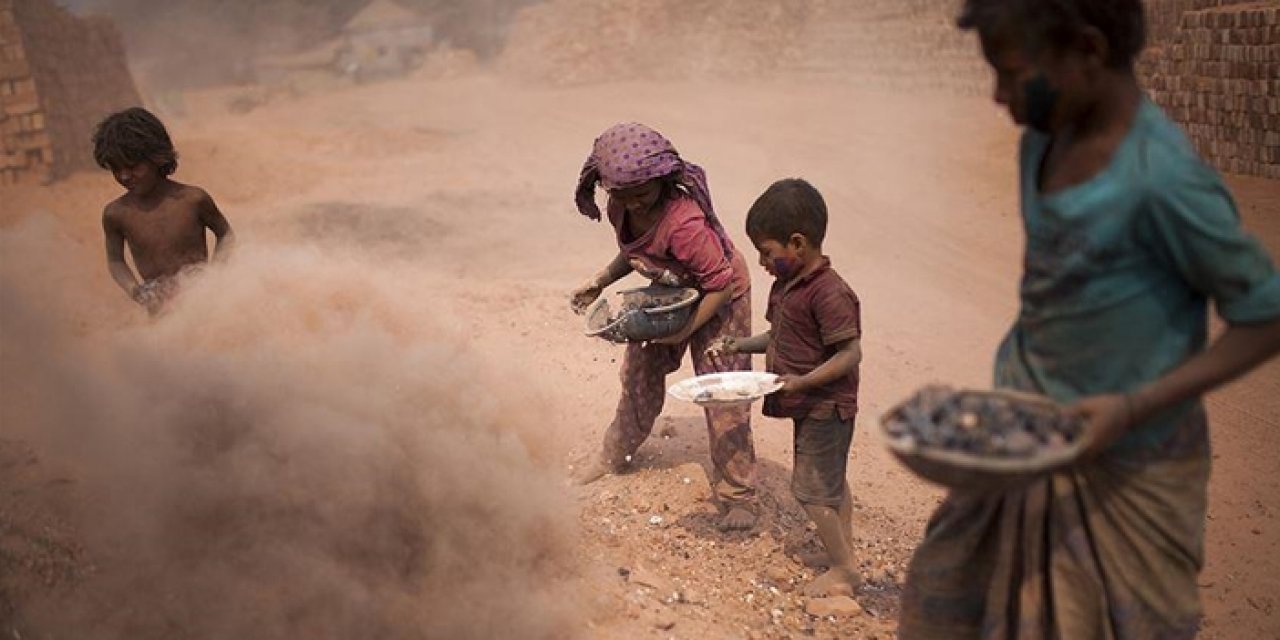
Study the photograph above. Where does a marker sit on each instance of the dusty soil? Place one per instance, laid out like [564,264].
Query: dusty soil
[470,180]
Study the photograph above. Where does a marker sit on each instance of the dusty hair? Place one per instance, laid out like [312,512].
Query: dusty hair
[1059,23]
[133,136]
[786,208]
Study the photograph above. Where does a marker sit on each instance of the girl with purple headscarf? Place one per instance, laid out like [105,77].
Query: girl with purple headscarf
[667,231]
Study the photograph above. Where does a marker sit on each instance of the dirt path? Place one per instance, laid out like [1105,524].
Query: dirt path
[471,180]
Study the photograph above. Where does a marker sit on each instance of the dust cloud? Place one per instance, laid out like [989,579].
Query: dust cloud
[299,448]
[183,44]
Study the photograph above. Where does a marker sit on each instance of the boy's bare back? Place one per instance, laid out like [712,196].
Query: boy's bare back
[165,230]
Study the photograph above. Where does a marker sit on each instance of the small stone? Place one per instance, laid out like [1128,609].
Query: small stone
[655,520]
[665,622]
[644,577]
[689,595]
[840,606]
[777,575]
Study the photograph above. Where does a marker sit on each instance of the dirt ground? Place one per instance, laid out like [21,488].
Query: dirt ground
[465,186]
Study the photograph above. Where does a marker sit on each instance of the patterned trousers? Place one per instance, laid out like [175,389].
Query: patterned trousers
[644,373]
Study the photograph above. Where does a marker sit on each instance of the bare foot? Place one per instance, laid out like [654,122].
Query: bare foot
[593,471]
[836,582]
[738,519]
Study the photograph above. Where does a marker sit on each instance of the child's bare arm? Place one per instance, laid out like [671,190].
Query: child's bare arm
[702,314]
[583,296]
[119,269]
[1240,349]
[847,358]
[755,344]
[617,269]
[213,219]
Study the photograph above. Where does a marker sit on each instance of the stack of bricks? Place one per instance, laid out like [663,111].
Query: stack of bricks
[1218,75]
[1214,65]
[59,75]
[896,45]
[24,143]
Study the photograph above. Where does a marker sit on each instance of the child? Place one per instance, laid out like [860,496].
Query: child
[813,343]
[162,221]
[1129,235]
[667,231]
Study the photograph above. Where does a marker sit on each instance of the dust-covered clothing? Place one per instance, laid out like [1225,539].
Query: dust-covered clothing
[821,459]
[1108,551]
[684,244]
[630,154]
[1118,274]
[1119,271]
[644,373]
[809,317]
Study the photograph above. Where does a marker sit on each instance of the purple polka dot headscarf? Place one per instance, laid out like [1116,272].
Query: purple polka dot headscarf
[630,154]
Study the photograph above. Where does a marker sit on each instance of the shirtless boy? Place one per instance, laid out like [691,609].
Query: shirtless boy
[162,221]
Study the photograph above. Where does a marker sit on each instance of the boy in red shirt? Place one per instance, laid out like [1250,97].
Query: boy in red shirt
[813,344]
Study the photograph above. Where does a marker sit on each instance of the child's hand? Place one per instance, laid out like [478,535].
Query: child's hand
[582,297]
[792,383]
[725,346]
[1106,418]
[147,297]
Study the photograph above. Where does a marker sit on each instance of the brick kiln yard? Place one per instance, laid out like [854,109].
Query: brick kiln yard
[438,208]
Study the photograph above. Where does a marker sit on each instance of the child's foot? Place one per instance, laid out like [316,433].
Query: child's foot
[835,582]
[594,470]
[738,519]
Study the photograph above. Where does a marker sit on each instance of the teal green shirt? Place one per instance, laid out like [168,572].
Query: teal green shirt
[1119,270]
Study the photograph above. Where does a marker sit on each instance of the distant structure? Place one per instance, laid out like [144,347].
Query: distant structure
[384,40]
[59,75]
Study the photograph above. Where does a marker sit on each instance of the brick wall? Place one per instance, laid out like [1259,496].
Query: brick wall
[59,75]
[1215,67]
[23,139]
[1164,17]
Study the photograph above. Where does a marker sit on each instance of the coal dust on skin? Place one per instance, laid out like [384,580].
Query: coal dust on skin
[294,450]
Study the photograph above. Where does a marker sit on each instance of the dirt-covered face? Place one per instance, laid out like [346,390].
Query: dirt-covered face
[782,260]
[1048,88]
[639,199]
[139,180]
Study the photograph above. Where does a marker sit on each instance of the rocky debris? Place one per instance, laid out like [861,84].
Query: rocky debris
[662,586]
[839,606]
[686,570]
[985,424]
[665,622]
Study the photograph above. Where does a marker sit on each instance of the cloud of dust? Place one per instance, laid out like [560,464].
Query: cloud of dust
[298,449]
[181,44]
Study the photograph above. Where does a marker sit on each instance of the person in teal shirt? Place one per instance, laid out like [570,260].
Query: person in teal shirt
[1120,269]
[1129,237]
